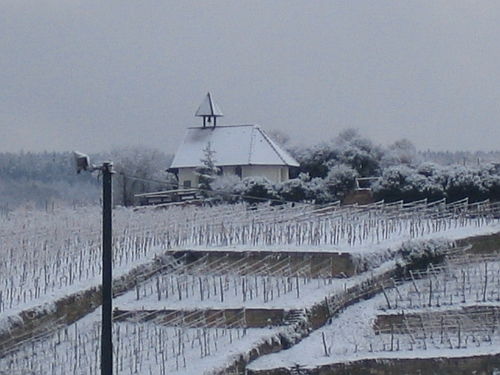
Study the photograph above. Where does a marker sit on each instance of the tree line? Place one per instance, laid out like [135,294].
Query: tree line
[48,179]
[327,173]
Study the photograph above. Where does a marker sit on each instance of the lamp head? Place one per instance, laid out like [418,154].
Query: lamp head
[82,162]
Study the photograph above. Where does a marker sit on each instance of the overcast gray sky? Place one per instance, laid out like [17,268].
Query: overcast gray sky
[99,74]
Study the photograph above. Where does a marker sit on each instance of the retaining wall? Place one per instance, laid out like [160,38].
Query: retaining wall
[479,365]
[249,318]
[339,264]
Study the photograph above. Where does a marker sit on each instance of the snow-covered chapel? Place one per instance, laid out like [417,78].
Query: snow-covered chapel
[241,150]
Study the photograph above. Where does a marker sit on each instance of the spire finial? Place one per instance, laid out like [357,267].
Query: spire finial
[208,109]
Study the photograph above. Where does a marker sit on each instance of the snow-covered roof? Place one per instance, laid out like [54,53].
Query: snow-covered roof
[233,145]
[208,108]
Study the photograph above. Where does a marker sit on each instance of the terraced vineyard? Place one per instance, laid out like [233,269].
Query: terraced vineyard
[189,293]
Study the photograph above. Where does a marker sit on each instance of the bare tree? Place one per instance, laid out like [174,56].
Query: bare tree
[139,170]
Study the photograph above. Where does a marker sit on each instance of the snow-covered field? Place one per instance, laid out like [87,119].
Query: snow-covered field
[47,256]
[452,313]
[139,348]
[261,292]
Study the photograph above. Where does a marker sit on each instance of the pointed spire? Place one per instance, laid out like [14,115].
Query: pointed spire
[208,109]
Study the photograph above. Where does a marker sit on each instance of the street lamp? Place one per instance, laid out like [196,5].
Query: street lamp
[82,163]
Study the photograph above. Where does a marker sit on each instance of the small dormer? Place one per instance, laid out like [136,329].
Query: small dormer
[209,110]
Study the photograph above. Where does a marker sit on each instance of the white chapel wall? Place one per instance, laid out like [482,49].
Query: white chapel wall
[275,174]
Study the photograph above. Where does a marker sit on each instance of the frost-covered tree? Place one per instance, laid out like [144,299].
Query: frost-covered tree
[316,161]
[435,182]
[208,171]
[328,171]
[490,180]
[431,181]
[358,152]
[349,148]
[393,183]
[402,151]
[44,179]
[296,189]
[138,170]
[340,179]
[463,182]
[402,182]
[256,190]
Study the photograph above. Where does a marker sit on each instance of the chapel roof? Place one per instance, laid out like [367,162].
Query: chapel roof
[233,145]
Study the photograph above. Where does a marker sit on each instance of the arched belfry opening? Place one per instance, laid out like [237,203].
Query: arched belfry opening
[209,110]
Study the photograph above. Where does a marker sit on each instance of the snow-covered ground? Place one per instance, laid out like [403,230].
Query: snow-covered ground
[144,348]
[351,337]
[456,331]
[45,257]
[48,255]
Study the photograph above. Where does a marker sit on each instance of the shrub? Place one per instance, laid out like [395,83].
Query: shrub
[296,189]
[418,255]
[256,190]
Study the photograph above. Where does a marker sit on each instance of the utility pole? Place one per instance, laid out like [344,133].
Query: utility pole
[82,163]
[107,272]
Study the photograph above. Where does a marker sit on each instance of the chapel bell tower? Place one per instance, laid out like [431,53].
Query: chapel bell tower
[209,110]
